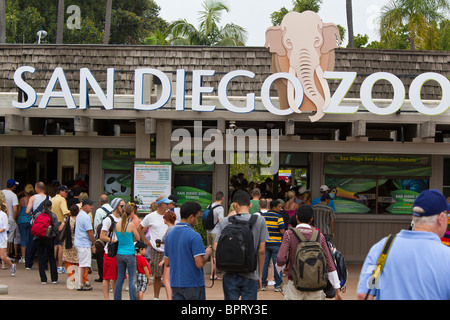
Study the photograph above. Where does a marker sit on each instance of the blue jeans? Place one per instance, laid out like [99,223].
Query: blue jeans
[126,262]
[25,233]
[197,293]
[271,254]
[235,286]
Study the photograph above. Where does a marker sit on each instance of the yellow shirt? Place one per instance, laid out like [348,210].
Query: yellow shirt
[59,207]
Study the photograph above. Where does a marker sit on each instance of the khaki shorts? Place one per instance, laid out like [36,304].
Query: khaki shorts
[155,258]
[210,238]
[290,292]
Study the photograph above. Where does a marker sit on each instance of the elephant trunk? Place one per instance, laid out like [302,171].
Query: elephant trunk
[306,66]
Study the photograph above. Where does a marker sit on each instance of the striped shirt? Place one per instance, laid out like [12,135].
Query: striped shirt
[275,224]
[323,215]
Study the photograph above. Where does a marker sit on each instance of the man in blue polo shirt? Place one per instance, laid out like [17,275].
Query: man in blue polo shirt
[185,254]
[416,266]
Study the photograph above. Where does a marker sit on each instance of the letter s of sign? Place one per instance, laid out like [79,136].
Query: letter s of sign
[25,87]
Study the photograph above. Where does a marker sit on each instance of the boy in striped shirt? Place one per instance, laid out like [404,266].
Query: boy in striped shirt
[276,228]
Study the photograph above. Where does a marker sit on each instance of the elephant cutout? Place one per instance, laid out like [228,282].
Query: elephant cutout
[303,46]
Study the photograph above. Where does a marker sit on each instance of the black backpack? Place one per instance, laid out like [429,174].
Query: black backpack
[236,251]
[100,244]
[341,269]
[208,217]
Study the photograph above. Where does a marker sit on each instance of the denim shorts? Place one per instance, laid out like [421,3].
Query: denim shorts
[197,293]
[237,286]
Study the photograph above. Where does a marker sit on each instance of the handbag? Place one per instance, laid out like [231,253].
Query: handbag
[113,247]
[63,232]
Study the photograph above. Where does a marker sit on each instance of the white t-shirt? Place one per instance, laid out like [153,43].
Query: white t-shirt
[106,224]
[218,215]
[3,224]
[11,201]
[157,228]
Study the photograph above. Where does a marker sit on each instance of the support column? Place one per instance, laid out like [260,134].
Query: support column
[437,174]
[95,176]
[6,165]
[163,136]
[220,182]
[316,173]
[142,140]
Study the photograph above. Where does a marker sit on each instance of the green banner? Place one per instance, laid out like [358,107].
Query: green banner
[185,194]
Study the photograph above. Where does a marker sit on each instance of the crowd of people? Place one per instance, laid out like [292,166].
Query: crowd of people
[165,250]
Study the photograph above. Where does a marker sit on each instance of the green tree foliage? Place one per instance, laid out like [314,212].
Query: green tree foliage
[208,33]
[418,19]
[298,6]
[132,21]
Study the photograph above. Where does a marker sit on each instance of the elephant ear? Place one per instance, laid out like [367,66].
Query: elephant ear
[274,37]
[331,37]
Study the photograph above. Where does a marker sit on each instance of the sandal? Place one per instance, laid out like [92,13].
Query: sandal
[84,288]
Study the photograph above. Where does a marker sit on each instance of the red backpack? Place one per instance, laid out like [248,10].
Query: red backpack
[41,225]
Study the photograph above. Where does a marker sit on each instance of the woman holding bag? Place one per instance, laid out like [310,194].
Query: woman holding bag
[67,233]
[126,254]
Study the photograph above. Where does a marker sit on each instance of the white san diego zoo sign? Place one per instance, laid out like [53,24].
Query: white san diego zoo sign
[334,107]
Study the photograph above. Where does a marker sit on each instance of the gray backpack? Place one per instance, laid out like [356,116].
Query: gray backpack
[309,271]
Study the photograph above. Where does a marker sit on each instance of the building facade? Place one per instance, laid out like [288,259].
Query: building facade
[373,163]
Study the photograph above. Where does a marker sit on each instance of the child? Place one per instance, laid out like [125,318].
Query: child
[3,235]
[143,269]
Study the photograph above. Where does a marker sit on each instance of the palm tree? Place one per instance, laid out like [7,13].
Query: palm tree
[107,32]
[351,37]
[208,32]
[60,22]
[414,16]
[2,21]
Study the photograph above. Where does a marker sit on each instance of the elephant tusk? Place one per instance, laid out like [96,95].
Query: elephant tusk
[325,87]
[290,93]
[327,97]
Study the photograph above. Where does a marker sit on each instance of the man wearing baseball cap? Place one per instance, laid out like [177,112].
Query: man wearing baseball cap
[323,189]
[59,207]
[12,202]
[416,267]
[157,228]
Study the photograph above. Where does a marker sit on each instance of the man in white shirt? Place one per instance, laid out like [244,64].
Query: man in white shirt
[13,213]
[218,213]
[108,235]
[157,228]
[84,241]
[102,212]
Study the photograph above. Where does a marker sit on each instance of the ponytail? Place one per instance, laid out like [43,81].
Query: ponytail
[127,211]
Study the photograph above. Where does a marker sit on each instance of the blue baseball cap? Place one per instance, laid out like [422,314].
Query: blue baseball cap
[11,182]
[429,203]
[164,200]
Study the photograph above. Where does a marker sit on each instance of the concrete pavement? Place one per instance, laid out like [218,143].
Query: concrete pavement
[26,285]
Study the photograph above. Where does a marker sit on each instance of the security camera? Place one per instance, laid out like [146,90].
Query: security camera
[232,125]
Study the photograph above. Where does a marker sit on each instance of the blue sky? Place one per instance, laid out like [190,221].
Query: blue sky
[254,15]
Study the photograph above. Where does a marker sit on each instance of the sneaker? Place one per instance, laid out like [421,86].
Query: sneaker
[22,260]
[263,288]
[55,282]
[13,270]
[43,282]
[61,270]
[278,289]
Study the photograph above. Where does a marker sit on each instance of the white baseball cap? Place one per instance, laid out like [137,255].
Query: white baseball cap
[324,188]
